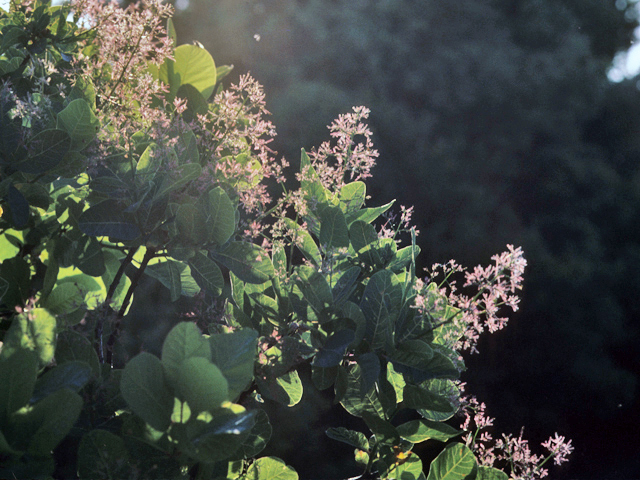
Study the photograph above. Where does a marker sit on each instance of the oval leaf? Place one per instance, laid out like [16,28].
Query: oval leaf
[455,462]
[143,388]
[249,262]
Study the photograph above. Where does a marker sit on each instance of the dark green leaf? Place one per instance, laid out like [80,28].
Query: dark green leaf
[334,232]
[18,378]
[345,285]
[103,455]
[143,388]
[221,437]
[380,304]
[46,150]
[382,429]
[107,219]
[207,273]
[249,262]
[19,207]
[234,354]
[332,352]
[259,436]
[413,353]
[73,346]
[71,375]
[314,288]
[323,378]
[183,175]
[53,423]
[370,370]
[305,242]
[286,389]
[350,437]
[490,473]
[421,399]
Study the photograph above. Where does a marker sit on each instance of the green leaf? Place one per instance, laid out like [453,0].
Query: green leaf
[79,122]
[355,401]
[73,346]
[421,399]
[352,196]
[221,216]
[15,275]
[196,103]
[416,431]
[33,330]
[443,389]
[455,462]
[46,151]
[314,288]
[169,273]
[286,389]
[183,341]
[103,455]
[332,352]
[207,273]
[259,436]
[201,384]
[18,378]
[382,429]
[249,262]
[192,65]
[305,243]
[107,219]
[362,235]
[490,473]
[345,285]
[144,389]
[323,378]
[221,437]
[53,423]
[234,354]
[19,207]
[380,304]
[369,368]
[71,375]
[333,229]
[410,469]
[367,214]
[413,353]
[183,175]
[350,437]
[270,468]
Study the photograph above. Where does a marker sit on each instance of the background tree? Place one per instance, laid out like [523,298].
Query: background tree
[497,121]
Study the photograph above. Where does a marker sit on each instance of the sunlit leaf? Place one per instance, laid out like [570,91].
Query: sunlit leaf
[270,468]
[455,462]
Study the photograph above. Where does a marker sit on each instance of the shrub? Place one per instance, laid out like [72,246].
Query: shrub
[123,156]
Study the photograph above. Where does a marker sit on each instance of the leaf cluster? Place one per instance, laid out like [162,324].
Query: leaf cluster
[77,236]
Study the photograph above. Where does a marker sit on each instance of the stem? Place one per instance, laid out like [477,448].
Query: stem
[135,278]
[107,309]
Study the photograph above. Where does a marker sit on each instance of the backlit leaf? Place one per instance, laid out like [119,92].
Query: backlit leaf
[79,122]
[207,273]
[142,386]
[183,341]
[455,462]
[193,66]
[417,431]
[333,228]
[234,354]
[270,468]
[201,384]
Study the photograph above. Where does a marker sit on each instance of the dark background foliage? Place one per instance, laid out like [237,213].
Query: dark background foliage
[496,120]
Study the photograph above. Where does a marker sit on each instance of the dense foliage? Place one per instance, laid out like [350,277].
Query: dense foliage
[496,120]
[122,158]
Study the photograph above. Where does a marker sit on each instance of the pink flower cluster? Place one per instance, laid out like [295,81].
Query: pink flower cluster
[511,452]
[468,316]
[352,157]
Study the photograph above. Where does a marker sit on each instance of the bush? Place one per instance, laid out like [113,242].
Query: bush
[123,156]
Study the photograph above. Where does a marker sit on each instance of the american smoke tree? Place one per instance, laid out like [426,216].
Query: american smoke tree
[122,155]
